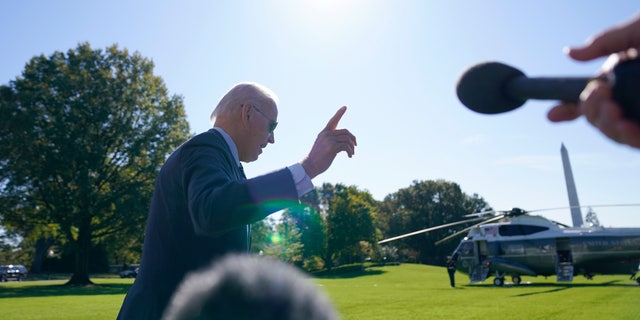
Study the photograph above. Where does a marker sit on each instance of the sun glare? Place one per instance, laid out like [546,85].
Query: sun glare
[328,17]
[330,6]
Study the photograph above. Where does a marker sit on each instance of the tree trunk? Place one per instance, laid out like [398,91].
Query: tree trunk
[41,250]
[80,275]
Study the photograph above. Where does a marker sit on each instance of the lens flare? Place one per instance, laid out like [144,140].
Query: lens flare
[275,238]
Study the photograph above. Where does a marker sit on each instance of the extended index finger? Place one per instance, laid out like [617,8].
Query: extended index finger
[613,40]
[333,122]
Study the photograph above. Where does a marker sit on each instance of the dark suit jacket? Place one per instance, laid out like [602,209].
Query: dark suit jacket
[200,210]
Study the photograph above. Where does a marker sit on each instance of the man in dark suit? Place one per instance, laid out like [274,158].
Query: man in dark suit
[451,270]
[203,204]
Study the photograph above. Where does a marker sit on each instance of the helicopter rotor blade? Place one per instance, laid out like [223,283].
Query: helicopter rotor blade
[429,229]
[481,213]
[560,224]
[584,206]
[589,206]
[447,238]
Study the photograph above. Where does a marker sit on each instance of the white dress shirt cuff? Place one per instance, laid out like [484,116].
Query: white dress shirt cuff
[301,179]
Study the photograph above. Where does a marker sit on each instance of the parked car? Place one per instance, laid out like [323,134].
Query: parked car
[130,272]
[13,271]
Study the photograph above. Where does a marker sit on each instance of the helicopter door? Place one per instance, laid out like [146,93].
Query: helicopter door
[564,260]
[479,271]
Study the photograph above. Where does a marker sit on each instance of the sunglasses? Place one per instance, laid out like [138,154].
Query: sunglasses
[272,125]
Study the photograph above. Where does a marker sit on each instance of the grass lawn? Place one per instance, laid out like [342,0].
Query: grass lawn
[414,291]
[395,292]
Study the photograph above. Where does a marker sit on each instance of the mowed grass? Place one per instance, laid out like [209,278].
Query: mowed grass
[52,300]
[408,291]
[412,291]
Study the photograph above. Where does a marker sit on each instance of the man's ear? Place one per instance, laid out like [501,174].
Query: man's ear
[245,114]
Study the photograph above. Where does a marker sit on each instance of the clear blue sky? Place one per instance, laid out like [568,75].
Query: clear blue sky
[393,63]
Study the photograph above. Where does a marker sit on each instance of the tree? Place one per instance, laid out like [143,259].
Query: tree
[312,225]
[281,240]
[262,233]
[288,247]
[82,137]
[350,221]
[592,218]
[300,235]
[422,205]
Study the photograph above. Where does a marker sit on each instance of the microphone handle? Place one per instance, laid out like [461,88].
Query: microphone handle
[624,79]
[563,89]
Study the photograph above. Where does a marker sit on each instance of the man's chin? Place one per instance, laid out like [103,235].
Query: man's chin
[254,158]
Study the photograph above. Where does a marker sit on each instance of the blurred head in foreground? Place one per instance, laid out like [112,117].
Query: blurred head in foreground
[249,287]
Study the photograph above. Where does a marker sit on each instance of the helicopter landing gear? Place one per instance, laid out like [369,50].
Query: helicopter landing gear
[516,280]
[498,281]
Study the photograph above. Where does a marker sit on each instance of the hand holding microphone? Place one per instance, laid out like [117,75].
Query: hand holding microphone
[598,102]
[610,101]
[613,109]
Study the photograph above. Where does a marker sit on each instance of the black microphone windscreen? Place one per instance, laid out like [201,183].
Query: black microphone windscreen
[482,88]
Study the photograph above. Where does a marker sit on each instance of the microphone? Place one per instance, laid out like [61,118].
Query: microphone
[493,87]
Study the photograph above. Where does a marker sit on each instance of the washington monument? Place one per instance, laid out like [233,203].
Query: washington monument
[576,213]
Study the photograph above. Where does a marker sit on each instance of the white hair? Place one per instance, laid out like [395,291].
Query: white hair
[242,93]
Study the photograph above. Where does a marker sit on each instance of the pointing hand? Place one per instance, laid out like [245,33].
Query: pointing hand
[328,144]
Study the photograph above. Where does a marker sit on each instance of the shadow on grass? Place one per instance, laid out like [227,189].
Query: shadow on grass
[350,275]
[541,292]
[557,286]
[27,291]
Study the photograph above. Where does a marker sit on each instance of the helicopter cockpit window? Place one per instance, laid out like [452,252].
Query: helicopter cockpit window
[520,229]
[466,248]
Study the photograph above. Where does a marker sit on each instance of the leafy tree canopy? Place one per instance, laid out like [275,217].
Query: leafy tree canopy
[422,205]
[82,137]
